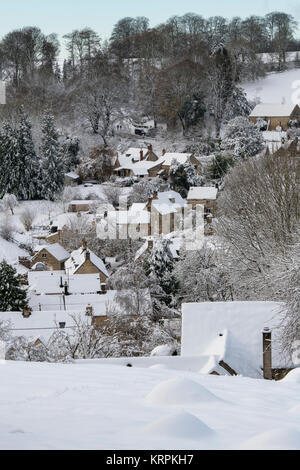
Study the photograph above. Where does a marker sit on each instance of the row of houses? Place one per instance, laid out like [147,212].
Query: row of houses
[143,162]
[54,257]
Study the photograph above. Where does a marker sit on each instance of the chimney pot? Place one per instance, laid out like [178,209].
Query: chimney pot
[164,152]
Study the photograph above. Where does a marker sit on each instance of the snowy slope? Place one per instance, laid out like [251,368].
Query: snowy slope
[276,88]
[91,406]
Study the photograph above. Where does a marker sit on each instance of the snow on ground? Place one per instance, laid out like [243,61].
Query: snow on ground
[10,252]
[275,87]
[92,406]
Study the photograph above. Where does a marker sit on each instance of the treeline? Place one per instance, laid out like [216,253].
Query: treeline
[176,72]
[191,34]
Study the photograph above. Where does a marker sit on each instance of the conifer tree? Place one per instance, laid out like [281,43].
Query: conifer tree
[28,160]
[9,161]
[52,170]
[12,297]
[160,268]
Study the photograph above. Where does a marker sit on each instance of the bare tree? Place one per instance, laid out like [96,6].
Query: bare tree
[6,229]
[259,213]
[27,218]
[9,202]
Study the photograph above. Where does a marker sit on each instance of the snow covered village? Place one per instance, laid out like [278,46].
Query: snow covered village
[150,226]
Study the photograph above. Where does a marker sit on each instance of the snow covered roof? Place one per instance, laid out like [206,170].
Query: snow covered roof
[168,202]
[134,152]
[174,246]
[49,282]
[168,158]
[77,259]
[56,250]
[240,324]
[203,192]
[73,303]
[273,110]
[72,175]
[139,168]
[66,219]
[129,217]
[82,202]
[41,325]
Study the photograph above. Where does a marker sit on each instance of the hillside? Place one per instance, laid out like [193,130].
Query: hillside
[275,87]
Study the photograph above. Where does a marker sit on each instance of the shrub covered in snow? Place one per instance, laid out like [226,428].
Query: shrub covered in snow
[242,139]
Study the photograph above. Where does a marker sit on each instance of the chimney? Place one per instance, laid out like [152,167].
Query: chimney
[267,354]
[209,218]
[103,288]
[26,312]
[155,195]
[89,311]
[149,204]
[84,246]
[87,256]
[66,288]
[164,152]
[150,148]
[150,244]
[217,185]
[62,325]
[141,155]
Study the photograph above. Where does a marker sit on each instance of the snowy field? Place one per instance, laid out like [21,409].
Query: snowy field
[91,406]
[276,88]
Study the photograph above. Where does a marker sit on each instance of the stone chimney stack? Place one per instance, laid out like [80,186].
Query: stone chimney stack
[26,311]
[149,204]
[155,196]
[103,288]
[84,246]
[150,244]
[66,288]
[150,148]
[141,155]
[164,152]
[87,255]
[89,311]
[267,354]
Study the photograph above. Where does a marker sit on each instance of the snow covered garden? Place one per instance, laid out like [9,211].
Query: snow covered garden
[92,406]
[149,236]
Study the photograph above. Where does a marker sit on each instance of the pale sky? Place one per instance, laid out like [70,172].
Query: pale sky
[63,16]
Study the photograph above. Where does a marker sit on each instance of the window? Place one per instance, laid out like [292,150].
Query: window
[44,255]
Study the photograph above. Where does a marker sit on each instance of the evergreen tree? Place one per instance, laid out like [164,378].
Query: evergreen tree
[12,297]
[52,171]
[160,267]
[183,176]
[10,167]
[28,160]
